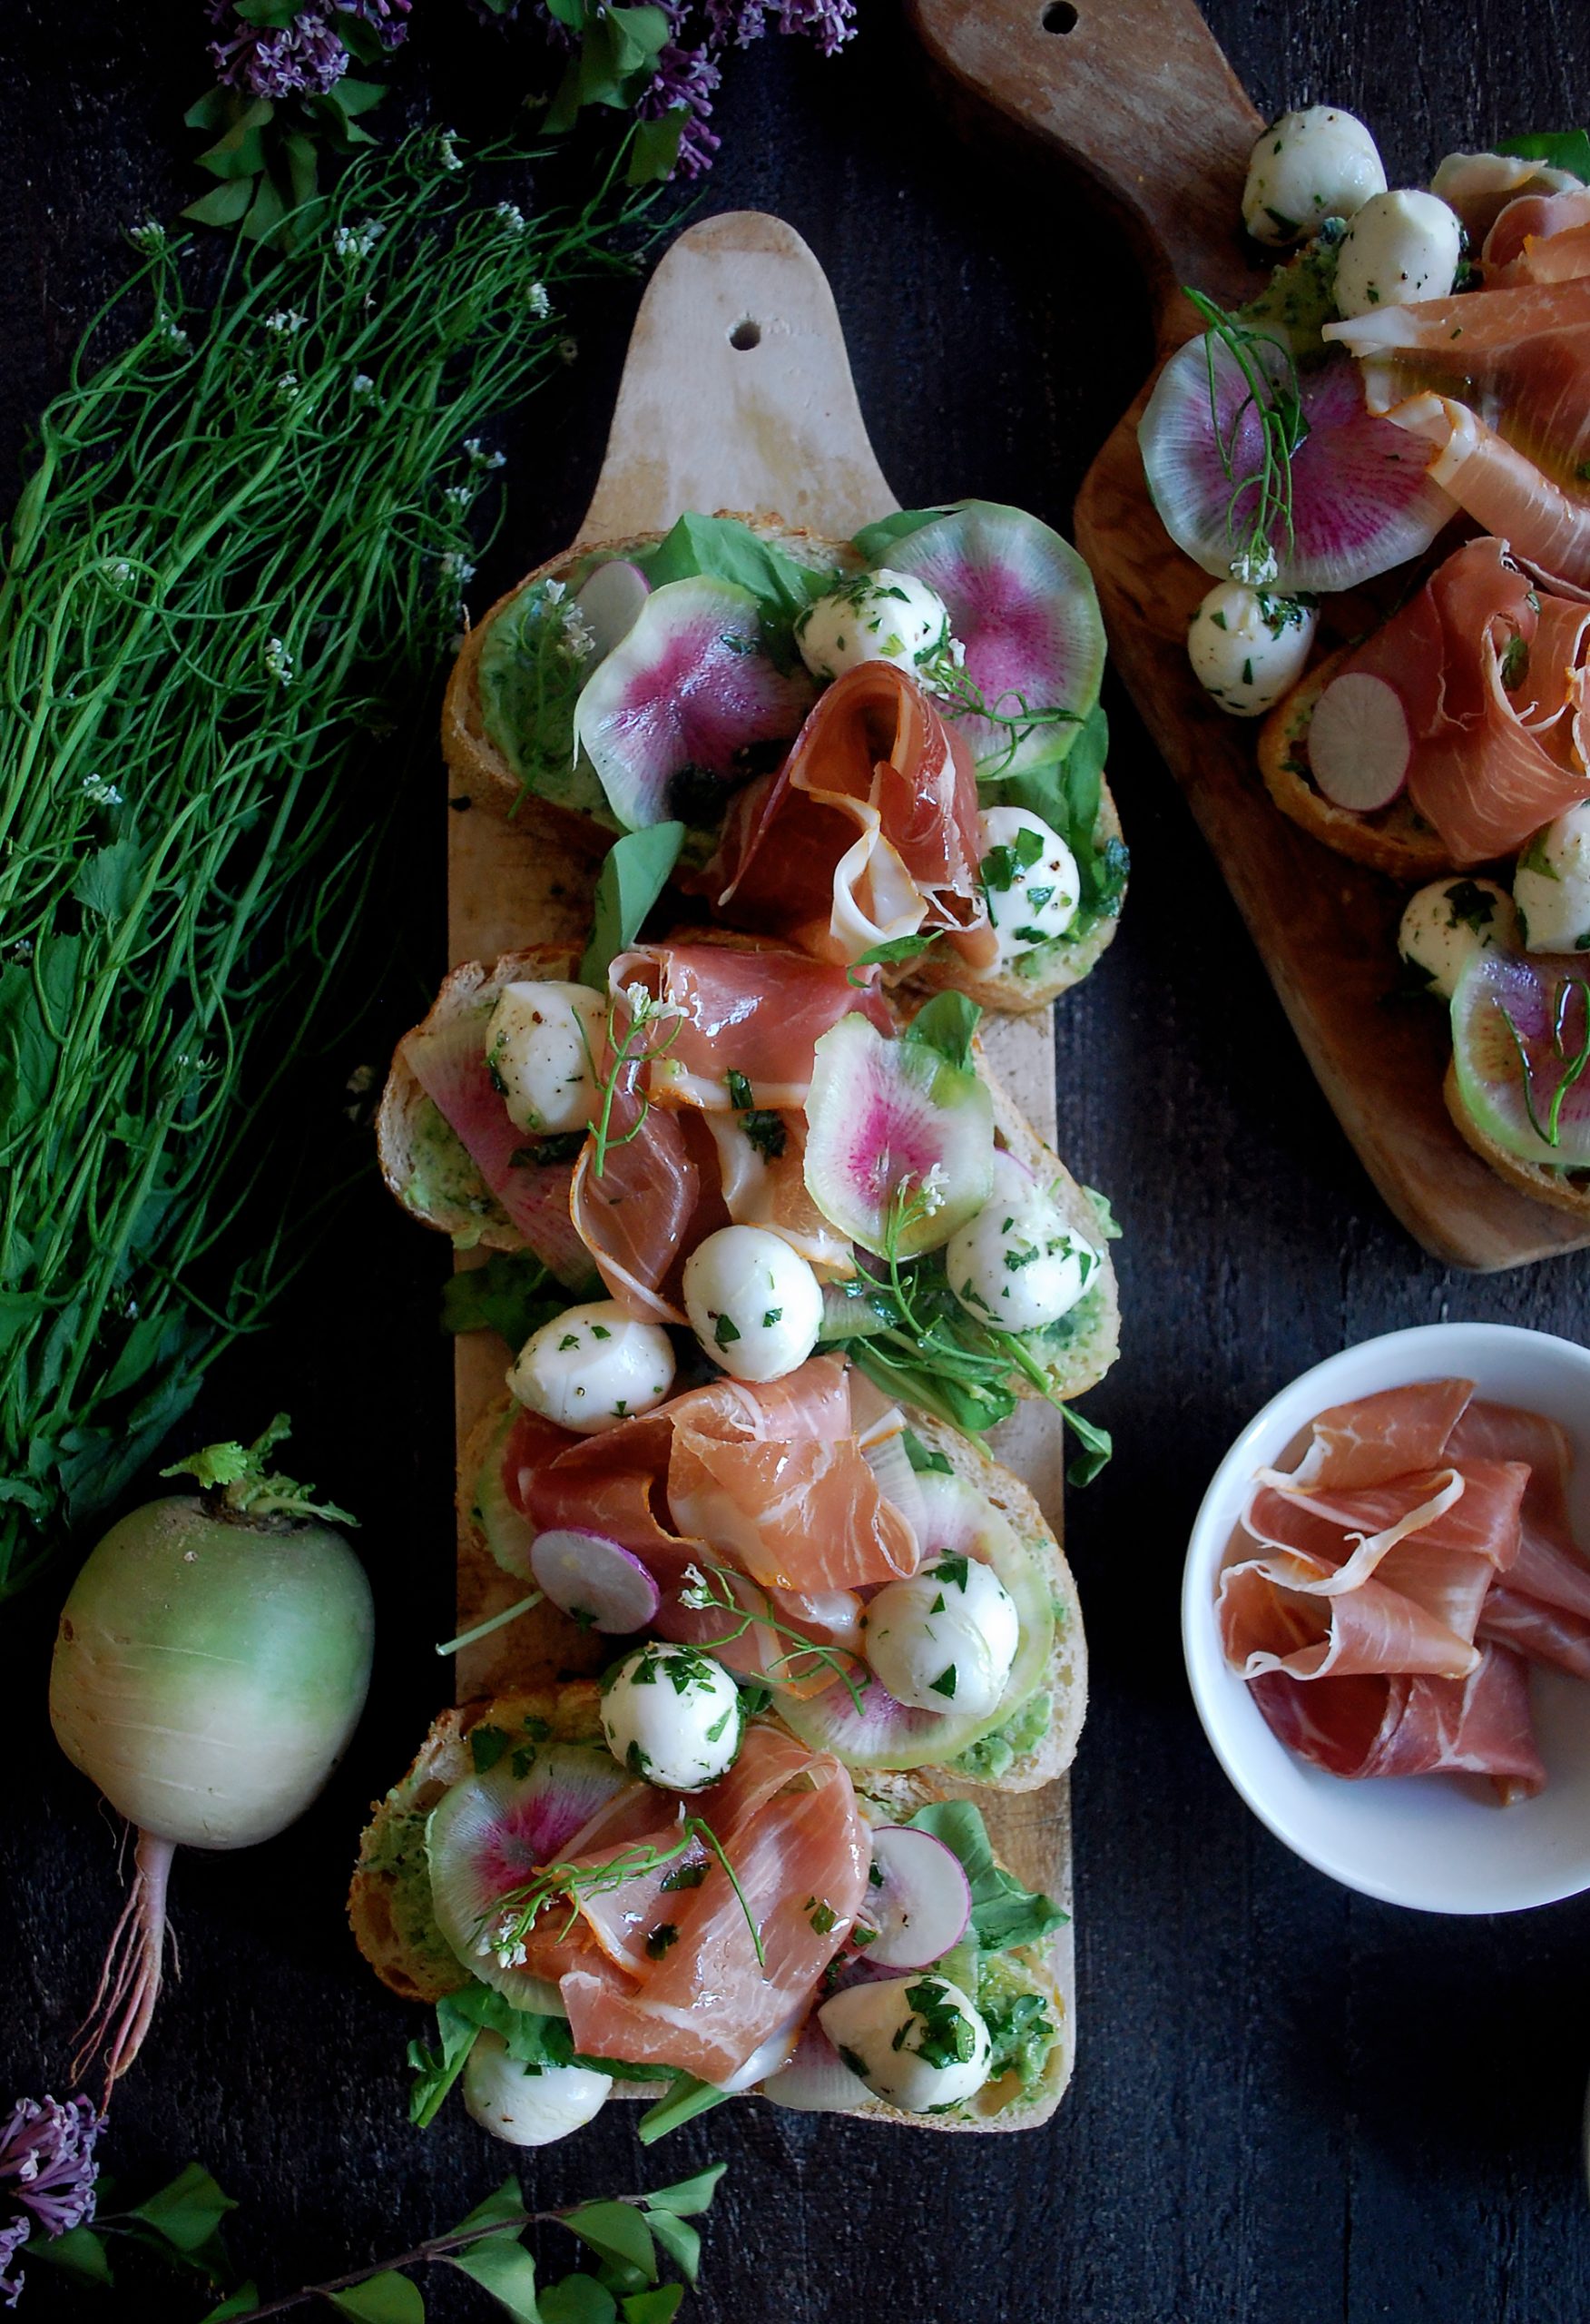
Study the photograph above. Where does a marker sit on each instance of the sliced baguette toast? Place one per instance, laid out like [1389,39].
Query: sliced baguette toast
[1394,840]
[389,1908]
[484,774]
[1536,1179]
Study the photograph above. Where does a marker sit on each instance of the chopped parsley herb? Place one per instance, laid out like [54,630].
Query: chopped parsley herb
[951,1570]
[945,1684]
[684,1875]
[495,1076]
[919,1457]
[659,1939]
[715,1731]
[569,1339]
[725,1331]
[858,2065]
[1469,905]
[770,1318]
[861,1936]
[1516,662]
[636,1760]
[874,1876]
[600,1331]
[821,1913]
[938,1607]
[766,1132]
[740,1092]
[487,1746]
[948,2037]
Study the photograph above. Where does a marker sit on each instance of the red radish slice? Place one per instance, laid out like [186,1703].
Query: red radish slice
[593,1581]
[1022,603]
[922,1904]
[492,1832]
[687,693]
[895,1133]
[610,601]
[448,1062]
[1360,501]
[1358,743]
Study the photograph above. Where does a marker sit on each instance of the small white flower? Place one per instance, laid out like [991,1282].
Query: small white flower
[447,150]
[354,242]
[172,335]
[278,661]
[935,1191]
[287,387]
[459,496]
[553,591]
[478,456]
[121,573]
[103,793]
[364,387]
[578,634]
[537,299]
[697,1594]
[512,216]
[286,319]
[22,949]
[150,236]
[457,568]
[1256,570]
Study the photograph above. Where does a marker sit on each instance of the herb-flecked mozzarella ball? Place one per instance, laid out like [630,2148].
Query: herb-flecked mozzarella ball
[1306,167]
[1017,1264]
[529,2105]
[944,1637]
[672,1716]
[593,1366]
[1247,648]
[753,1303]
[1401,248]
[880,616]
[1030,880]
[917,2042]
[541,1042]
[1551,885]
[1447,923]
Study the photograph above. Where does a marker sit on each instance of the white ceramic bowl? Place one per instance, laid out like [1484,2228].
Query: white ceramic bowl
[1440,1843]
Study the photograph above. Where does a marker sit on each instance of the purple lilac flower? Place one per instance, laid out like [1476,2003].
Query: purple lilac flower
[304,58]
[46,2158]
[737,23]
[686,77]
[387,19]
[13,2236]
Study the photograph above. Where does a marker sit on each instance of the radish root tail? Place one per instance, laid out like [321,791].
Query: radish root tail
[129,1986]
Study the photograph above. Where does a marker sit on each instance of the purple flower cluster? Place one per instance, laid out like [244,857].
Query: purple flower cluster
[737,23]
[304,58]
[46,2166]
[687,78]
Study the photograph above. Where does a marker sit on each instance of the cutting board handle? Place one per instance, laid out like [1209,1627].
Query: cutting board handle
[737,392]
[1138,95]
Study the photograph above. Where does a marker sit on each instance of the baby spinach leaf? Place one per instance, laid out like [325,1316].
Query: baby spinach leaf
[1567,149]
[633,877]
[1004,1913]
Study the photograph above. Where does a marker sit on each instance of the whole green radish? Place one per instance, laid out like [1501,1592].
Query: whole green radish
[211,1666]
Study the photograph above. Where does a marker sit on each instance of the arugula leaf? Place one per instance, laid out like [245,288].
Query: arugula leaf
[873,540]
[919,1457]
[1004,1913]
[1567,149]
[533,2039]
[1098,1444]
[512,1294]
[1066,794]
[633,877]
[897,948]
[947,1024]
[727,550]
[685,2099]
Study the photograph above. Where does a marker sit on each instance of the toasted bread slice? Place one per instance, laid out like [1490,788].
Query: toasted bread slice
[1395,839]
[394,1925]
[1536,1179]
[424,1163]
[998,1765]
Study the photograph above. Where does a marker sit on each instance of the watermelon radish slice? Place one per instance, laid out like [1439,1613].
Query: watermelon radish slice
[1022,603]
[593,1581]
[919,1899]
[1358,743]
[448,1062]
[610,602]
[816,2081]
[491,1833]
[508,1531]
[1521,1035]
[897,1137]
[887,1734]
[686,694]
[1361,502]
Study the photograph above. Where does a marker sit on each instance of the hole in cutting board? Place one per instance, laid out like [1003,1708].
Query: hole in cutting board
[1059,16]
[745,333]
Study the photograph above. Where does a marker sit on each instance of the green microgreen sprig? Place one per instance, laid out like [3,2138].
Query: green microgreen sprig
[1550,1132]
[1275,399]
[703,1594]
[1011,712]
[637,1045]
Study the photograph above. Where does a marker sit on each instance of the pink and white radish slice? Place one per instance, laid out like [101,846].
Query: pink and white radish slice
[1022,604]
[691,686]
[1360,501]
[919,1901]
[899,1143]
[1357,743]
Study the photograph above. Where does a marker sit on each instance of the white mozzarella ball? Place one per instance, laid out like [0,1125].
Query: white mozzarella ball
[880,616]
[529,2105]
[753,1303]
[1307,167]
[1401,248]
[593,1366]
[541,1042]
[1249,647]
[1030,880]
[1447,923]
[1551,885]
[917,2042]
[673,1716]
[1017,1264]
[946,1637]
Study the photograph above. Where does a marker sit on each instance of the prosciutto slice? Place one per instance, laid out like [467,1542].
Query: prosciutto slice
[1489,673]
[867,832]
[789,1823]
[1539,238]
[756,1011]
[1380,1597]
[1496,384]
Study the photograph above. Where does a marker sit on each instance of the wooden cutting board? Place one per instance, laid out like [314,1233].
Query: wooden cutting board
[1136,95]
[736,395]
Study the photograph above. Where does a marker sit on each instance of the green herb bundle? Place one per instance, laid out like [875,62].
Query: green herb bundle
[234,571]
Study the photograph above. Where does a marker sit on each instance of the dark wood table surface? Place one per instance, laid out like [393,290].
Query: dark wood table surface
[1291,2106]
